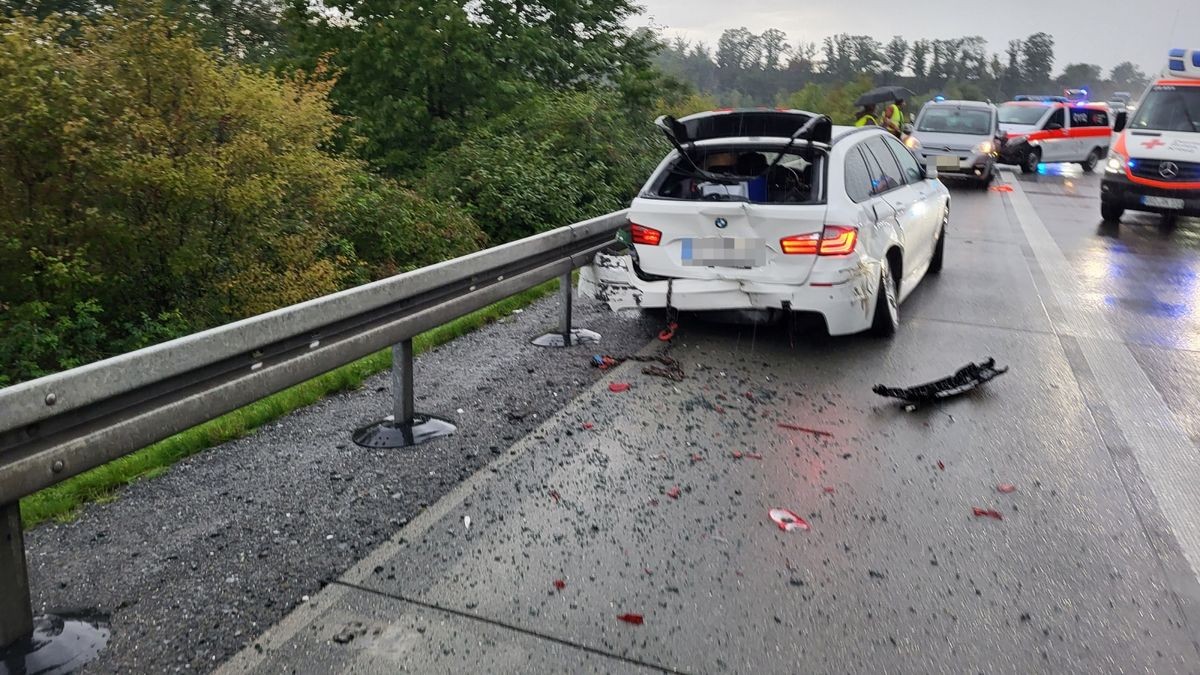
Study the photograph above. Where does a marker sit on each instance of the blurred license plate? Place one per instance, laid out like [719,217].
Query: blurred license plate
[723,252]
[944,162]
[1163,202]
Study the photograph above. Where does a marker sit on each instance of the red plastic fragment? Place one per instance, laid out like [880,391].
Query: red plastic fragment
[828,489]
[1006,488]
[560,584]
[990,513]
[797,427]
[696,458]
[618,387]
[588,425]
[787,520]
[941,466]
[555,496]
[737,454]
[673,493]
[635,619]
[1001,188]
[753,455]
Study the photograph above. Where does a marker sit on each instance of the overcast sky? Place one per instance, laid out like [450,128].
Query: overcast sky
[1103,32]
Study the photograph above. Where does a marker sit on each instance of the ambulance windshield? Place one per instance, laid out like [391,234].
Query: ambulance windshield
[1169,108]
[1021,113]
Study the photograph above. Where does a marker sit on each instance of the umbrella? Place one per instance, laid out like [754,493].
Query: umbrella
[884,94]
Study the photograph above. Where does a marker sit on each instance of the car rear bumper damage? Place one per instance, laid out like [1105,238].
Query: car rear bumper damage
[846,306]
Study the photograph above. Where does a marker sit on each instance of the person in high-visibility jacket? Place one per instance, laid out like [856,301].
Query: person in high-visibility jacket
[893,118]
[866,116]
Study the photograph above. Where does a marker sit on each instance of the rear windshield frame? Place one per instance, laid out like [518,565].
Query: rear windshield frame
[820,170]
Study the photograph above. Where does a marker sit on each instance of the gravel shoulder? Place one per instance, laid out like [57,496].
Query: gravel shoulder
[193,564]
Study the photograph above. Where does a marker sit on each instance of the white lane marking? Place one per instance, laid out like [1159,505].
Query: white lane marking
[1166,455]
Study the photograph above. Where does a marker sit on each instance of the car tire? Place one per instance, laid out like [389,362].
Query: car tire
[1031,160]
[1089,164]
[887,304]
[939,251]
[1111,213]
[986,181]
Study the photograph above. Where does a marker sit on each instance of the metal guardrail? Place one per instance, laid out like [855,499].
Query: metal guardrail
[58,426]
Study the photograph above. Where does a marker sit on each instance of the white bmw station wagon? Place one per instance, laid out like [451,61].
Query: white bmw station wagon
[770,212]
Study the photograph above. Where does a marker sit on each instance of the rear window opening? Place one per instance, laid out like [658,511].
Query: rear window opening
[796,179]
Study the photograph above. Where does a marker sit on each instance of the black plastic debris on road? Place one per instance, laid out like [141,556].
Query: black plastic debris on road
[967,378]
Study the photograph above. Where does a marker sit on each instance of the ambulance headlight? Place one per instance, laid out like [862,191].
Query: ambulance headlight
[1116,163]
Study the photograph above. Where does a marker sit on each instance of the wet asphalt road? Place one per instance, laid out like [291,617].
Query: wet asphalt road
[1092,569]
[654,502]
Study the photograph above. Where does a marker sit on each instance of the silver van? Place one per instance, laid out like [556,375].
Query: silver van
[962,138]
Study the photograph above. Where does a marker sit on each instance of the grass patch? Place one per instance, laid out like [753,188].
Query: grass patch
[61,501]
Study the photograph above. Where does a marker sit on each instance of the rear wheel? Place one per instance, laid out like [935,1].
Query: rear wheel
[1031,160]
[1111,213]
[986,180]
[1093,158]
[887,304]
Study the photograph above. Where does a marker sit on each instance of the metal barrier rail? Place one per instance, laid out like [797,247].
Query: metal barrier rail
[60,425]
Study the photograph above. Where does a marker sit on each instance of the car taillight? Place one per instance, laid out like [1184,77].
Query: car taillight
[833,240]
[647,236]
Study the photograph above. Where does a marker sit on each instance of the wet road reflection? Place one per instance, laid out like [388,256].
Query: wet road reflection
[1142,273]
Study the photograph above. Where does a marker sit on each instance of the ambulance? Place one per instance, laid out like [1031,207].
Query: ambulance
[1154,164]
[1052,129]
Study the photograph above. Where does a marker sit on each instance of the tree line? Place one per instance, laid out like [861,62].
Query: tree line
[745,68]
[167,166]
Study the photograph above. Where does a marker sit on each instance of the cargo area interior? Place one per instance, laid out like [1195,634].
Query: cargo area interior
[753,176]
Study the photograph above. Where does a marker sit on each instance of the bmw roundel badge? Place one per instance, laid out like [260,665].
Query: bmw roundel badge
[721,223]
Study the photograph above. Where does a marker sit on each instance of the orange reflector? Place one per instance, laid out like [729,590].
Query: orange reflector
[647,236]
[833,240]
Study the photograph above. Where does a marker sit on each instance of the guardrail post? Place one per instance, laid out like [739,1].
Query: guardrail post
[16,613]
[566,335]
[403,428]
[402,382]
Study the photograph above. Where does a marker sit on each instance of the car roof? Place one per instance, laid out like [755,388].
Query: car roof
[982,105]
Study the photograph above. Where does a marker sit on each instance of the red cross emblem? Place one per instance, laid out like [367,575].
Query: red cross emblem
[1152,144]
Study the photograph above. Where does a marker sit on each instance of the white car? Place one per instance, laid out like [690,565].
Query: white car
[767,212]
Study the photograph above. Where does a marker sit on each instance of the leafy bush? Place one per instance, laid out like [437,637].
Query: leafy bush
[561,158]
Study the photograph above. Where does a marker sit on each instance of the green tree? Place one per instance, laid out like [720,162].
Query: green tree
[896,56]
[1037,58]
[1127,76]
[919,62]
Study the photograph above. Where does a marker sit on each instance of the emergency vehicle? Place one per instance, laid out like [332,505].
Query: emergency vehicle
[1034,132]
[1155,162]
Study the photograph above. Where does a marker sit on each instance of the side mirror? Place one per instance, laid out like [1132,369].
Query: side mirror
[1054,126]
[1121,120]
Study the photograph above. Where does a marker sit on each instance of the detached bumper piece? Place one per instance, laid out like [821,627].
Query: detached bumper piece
[967,378]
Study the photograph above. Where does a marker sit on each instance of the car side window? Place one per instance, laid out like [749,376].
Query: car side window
[1057,117]
[908,164]
[890,176]
[858,179]
[1079,117]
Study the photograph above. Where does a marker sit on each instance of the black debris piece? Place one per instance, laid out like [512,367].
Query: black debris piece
[967,378]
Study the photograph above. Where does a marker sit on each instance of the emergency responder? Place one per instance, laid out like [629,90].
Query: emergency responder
[866,116]
[893,117]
